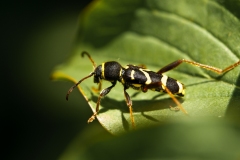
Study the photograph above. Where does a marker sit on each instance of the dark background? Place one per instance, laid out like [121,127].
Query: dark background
[37,121]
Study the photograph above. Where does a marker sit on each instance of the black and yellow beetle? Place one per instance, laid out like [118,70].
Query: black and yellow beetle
[142,79]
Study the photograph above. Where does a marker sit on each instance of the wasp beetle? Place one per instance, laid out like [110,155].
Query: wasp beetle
[142,79]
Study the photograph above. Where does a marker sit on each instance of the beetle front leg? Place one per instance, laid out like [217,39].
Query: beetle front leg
[103,93]
[96,90]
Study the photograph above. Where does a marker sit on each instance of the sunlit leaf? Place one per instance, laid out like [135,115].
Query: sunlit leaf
[156,33]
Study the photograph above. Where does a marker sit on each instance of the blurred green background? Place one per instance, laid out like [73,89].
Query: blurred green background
[38,123]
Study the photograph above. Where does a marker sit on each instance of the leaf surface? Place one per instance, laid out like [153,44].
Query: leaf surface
[156,33]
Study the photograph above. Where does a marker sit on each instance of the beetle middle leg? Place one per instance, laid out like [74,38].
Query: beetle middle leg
[129,104]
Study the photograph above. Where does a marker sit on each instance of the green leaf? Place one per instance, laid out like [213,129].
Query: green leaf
[156,33]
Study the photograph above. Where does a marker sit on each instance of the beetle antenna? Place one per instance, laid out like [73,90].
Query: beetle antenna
[94,64]
[75,85]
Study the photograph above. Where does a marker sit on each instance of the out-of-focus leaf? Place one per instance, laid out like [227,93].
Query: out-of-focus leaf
[196,139]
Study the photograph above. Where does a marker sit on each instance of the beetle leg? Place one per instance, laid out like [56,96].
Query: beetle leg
[129,104]
[211,68]
[103,93]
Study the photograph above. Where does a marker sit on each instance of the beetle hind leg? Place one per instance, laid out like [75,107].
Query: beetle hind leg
[174,108]
[179,106]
